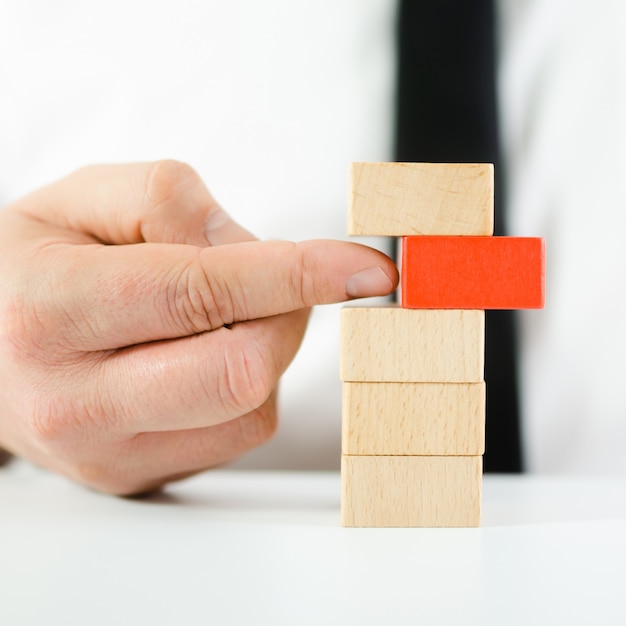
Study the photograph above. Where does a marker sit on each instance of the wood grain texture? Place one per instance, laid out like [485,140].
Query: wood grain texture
[413,419]
[411,491]
[398,199]
[392,344]
[473,272]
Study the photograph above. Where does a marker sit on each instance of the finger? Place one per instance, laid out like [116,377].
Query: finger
[149,460]
[192,451]
[110,297]
[195,382]
[164,201]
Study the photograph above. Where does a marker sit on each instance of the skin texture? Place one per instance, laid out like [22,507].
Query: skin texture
[143,332]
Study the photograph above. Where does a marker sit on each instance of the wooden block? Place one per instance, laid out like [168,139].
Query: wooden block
[423,491]
[392,344]
[398,199]
[473,272]
[413,419]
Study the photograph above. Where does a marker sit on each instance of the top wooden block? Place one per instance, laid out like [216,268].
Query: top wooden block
[395,199]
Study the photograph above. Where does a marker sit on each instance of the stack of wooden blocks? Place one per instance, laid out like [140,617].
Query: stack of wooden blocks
[413,375]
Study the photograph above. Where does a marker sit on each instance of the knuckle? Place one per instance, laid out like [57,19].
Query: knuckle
[35,317]
[303,284]
[14,337]
[22,330]
[164,179]
[248,378]
[50,420]
[62,415]
[199,301]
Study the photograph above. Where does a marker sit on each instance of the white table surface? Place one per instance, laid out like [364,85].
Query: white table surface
[232,547]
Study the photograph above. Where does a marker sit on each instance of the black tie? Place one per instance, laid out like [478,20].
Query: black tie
[446,112]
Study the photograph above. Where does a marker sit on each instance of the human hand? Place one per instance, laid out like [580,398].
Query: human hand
[135,347]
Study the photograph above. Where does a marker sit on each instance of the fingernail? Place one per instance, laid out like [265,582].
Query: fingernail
[371,281]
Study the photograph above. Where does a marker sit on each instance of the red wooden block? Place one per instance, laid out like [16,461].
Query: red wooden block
[473,272]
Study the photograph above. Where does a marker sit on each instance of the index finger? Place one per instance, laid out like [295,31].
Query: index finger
[116,296]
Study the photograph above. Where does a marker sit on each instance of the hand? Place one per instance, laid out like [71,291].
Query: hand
[135,347]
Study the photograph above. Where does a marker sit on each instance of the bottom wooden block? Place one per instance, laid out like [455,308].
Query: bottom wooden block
[411,491]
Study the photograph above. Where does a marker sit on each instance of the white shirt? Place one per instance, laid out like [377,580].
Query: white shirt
[563,97]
